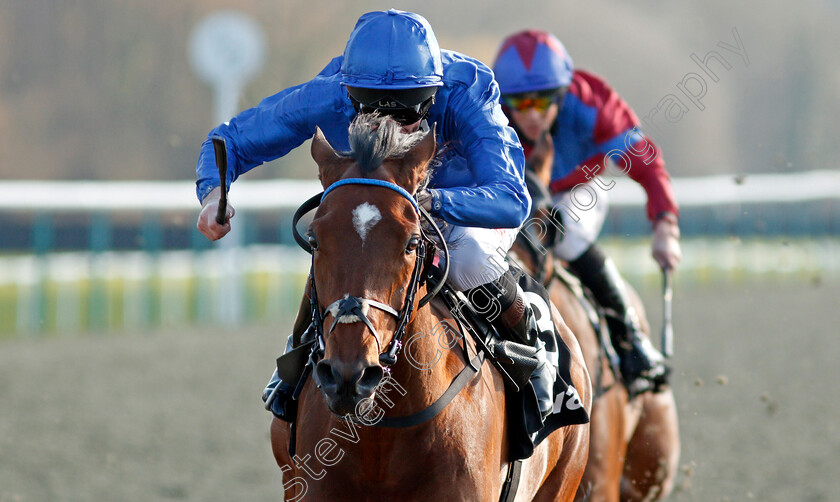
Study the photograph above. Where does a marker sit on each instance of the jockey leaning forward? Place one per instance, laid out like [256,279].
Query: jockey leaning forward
[549,102]
[392,65]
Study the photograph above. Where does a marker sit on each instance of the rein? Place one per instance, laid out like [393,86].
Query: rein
[352,308]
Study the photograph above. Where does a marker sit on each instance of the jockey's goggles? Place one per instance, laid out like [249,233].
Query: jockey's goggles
[405,106]
[539,101]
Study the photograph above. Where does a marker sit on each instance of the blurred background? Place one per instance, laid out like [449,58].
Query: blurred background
[133,352]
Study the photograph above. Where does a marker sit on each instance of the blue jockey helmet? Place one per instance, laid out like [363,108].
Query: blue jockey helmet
[392,50]
[392,65]
[532,61]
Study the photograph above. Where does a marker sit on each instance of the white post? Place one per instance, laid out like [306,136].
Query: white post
[227,49]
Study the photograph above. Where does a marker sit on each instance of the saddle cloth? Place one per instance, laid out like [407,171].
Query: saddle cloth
[526,426]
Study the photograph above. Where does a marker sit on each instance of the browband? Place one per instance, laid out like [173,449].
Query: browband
[378,183]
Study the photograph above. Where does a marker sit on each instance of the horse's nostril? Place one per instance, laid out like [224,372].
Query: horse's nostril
[335,382]
[371,376]
[326,374]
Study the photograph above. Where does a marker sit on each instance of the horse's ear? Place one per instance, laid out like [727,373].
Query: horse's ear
[417,159]
[541,159]
[322,151]
[328,161]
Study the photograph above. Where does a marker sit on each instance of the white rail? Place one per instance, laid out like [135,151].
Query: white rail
[263,195]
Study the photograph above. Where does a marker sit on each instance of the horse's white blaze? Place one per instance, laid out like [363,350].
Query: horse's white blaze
[347,319]
[365,216]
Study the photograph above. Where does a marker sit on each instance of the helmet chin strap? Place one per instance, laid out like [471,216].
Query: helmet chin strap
[422,125]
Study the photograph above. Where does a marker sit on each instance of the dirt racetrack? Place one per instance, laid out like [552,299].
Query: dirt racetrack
[175,415]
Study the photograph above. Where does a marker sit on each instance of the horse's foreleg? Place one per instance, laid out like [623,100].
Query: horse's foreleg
[280,442]
[564,476]
[654,450]
[280,432]
[293,488]
[607,448]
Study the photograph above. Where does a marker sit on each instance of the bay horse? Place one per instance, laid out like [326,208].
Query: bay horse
[367,237]
[634,443]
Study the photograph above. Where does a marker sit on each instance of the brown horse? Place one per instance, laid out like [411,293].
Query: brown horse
[366,241]
[634,444]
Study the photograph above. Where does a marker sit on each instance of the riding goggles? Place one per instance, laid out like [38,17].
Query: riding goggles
[539,101]
[391,106]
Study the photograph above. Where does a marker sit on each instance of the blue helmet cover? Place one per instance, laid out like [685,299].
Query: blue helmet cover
[532,60]
[392,50]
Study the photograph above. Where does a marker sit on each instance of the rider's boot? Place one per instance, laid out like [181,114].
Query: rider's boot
[642,365]
[277,394]
[525,330]
[514,318]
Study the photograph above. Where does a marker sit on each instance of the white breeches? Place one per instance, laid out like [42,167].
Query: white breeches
[583,211]
[477,255]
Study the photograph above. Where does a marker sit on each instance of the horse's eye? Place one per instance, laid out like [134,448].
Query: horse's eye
[413,242]
[312,240]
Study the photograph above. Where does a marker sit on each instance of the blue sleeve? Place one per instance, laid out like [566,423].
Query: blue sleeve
[266,132]
[478,130]
[621,142]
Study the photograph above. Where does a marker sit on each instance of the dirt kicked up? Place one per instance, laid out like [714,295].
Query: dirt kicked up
[177,416]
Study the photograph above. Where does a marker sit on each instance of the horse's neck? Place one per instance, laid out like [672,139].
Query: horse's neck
[527,260]
[547,266]
[431,356]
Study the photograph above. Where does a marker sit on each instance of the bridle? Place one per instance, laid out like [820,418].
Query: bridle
[352,308]
[355,307]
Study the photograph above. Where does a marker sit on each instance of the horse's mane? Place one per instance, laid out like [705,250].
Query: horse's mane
[374,138]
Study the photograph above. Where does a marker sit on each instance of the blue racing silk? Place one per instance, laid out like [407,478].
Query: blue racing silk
[478,180]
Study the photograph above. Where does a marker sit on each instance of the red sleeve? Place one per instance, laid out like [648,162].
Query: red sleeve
[648,169]
[614,119]
[614,116]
